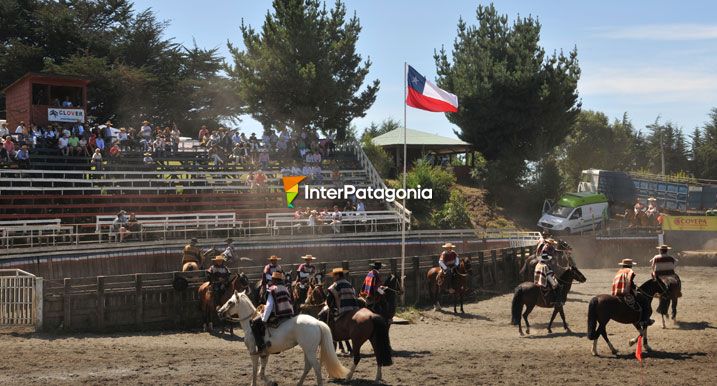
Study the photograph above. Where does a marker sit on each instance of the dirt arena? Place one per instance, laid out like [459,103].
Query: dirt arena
[439,348]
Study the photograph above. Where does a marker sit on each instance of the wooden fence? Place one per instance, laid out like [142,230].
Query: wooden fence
[148,301]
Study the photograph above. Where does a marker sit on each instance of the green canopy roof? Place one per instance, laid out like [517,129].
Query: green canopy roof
[574,200]
[419,138]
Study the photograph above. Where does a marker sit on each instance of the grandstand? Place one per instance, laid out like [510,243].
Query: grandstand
[63,199]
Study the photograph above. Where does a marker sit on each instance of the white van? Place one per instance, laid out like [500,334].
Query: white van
[575,213]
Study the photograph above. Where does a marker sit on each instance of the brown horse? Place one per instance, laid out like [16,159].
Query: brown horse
[528,294]
[674,292]
[436,287]
[193,266]
[562,259]
[603,308]
[315,296]
[206,300]
[358,327]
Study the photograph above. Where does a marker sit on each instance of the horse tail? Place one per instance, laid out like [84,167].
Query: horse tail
[328,354]
[516,306]
[381,342]
[592,319]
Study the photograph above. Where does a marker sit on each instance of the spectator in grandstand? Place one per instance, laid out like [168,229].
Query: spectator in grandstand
[203,132]
[313,220]
[23,157]
[36,136]
[148,160]
[119,225]
[215,155]
[106,133]
[236,137]
[336,220]
[159,145]
[123,137]
[73,145]
[67,103]
[134,226]
[361,206]
[97,159]
[64,144]
[8,149]
[78,129]
[264,158]
[84,146]
[115,150]
[266,139]
[100,144]
[4,132]
[283,141]
[20,130]
[145,131]
[259,181]
[253,142]
[336,176]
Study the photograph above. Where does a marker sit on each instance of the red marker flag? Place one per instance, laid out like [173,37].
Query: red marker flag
[638,350]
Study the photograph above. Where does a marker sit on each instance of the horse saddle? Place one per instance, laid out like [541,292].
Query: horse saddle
[275,322]
[631,303]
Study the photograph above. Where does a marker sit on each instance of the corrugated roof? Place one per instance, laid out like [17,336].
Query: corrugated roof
[415,137]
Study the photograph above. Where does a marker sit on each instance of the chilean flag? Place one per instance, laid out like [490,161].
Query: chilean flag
[424,95]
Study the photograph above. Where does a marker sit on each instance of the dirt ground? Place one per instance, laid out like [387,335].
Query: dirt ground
[439,348]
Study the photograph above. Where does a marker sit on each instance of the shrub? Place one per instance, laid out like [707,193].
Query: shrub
[453,215]
[379,158]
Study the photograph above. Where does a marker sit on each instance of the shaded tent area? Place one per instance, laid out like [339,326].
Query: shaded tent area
[437,149]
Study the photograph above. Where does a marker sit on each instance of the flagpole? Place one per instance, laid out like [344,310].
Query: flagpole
[403,215]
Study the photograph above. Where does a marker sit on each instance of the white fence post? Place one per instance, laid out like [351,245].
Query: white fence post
[39,302]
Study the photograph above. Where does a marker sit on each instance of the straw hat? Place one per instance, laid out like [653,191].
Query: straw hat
[545,256]
[219,258]
[274,258]
[551,241]
[277,276]
[339,271]
[376,265]
[193,240]
[108,123]
[664,246]
[145,122]
[627,263]
[652,199]
[121,212]
[229,240]
[147,154]
[448,245]
[308,257]
[123,129]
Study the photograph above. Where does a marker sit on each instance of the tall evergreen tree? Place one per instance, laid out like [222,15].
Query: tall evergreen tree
[302,70]
[516,102]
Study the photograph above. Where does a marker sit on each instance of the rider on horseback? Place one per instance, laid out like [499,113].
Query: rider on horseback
[342,296]
[544,278]
[623,286]
[663,266]
[218,278]
[191,253]
[449,263]
[229,249]
[372,289]
[305,271]
[269,270]
[278,308]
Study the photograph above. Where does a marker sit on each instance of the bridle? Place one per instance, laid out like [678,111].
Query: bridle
[239,319]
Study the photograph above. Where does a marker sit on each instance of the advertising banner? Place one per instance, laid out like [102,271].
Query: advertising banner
[65,115]
[690,223]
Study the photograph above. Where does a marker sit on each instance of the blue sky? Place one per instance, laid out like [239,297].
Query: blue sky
[648,58]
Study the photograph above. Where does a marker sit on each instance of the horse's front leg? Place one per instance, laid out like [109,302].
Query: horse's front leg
[562,316]
[552,317]
[528,310]
[455,302]
[461,299]
[262,370]
[254,366]
[664,326]
[644,340]
[674,309]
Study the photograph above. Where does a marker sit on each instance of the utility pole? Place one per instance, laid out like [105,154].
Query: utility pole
[662,152]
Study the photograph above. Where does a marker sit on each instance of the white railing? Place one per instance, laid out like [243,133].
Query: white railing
[169,223]
[376,180]
[20,298]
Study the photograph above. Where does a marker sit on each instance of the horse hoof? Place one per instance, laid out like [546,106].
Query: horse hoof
[594,353]
[614,352]
[569,331]
[550,331]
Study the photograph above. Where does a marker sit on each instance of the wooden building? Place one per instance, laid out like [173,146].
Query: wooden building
[43,98]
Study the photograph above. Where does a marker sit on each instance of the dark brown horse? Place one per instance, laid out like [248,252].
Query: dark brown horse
[603,308]
[674,292]
[315,297]
[436,287]
[563,259]
[528,294]
[360,326]
[238,282]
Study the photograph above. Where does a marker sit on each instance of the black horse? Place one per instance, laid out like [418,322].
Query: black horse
[529,294]
[603,308]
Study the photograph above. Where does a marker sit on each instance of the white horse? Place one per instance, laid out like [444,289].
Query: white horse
[304,330]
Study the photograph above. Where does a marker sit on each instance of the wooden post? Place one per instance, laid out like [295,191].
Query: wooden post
[494,264]
[417,278]
[67,305]
[481,268]
[177,297]
[515,264]
[100,306]
[506,266]
[138,302]
[393,263]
